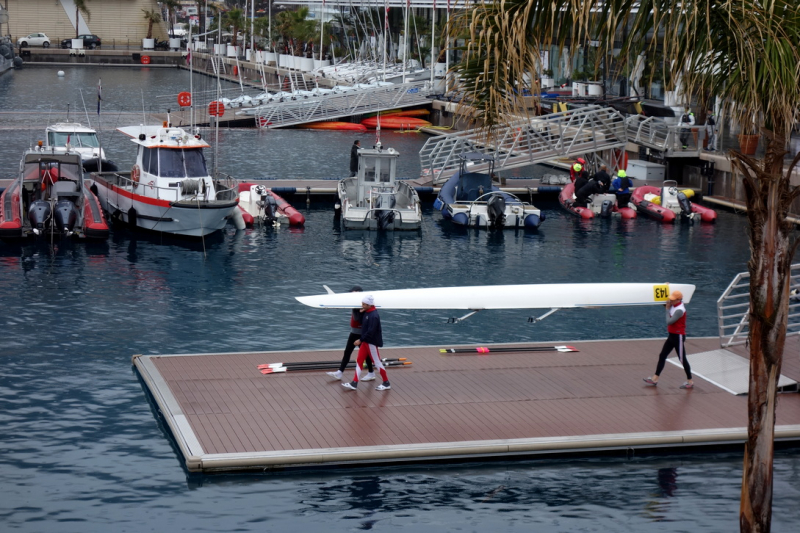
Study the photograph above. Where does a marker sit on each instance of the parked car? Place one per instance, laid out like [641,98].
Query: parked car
[34,39]
[89,41]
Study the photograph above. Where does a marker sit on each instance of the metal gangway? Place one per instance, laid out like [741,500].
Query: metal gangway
[304,109]
[590,129]
[733,309]
[655,133]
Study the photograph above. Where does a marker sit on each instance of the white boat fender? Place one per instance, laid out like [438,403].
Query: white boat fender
[238,219]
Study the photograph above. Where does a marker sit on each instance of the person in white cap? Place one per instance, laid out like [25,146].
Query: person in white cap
[371,339]
[676,327]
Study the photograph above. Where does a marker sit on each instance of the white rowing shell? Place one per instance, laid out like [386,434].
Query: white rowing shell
[544,296]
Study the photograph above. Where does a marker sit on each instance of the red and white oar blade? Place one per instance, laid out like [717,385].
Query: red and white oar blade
[266,371]
[566,349]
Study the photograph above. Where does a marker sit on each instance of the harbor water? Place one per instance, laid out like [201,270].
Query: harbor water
[84,451]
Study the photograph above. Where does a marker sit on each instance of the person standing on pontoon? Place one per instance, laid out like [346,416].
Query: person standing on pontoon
[711,131]
[676,338]
[355,335]
[371,339]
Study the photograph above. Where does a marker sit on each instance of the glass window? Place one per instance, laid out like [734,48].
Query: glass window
[182,163]
[87,139]
[150,161]
[369,169]
[384,171]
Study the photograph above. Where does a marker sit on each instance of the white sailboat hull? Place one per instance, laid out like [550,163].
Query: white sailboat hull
[544,296]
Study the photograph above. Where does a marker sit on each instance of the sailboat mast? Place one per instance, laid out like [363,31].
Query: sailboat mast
[405,39]
[385,34]
[321,29]
[433,39]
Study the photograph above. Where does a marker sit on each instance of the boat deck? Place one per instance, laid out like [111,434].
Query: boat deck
[225,415]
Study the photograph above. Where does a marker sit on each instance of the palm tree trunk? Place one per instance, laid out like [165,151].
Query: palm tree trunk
[769,197]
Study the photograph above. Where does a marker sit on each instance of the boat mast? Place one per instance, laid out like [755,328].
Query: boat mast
[433,39]
[321,29]
[405,39]
[385,33]
[191,80]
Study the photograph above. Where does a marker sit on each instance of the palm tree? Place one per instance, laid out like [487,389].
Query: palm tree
[172,6]
[235,18]
[745,52]
[152,17]
[81,7]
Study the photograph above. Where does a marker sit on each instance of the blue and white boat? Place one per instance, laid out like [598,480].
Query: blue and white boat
[470,199]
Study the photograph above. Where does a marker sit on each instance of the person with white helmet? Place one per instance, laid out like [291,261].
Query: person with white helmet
[622,188]
[371,339]
[676,338]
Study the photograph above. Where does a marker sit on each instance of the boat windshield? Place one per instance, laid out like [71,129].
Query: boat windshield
[79,140]
[181,163]
[36,171]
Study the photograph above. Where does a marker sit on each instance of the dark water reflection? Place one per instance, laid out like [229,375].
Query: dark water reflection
[82,450]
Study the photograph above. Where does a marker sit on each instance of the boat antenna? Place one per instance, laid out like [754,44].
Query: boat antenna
[144,115]
[67,112]
[89,122]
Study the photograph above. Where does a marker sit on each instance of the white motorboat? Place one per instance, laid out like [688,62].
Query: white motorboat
[374,199]
[75,137]
[169,189]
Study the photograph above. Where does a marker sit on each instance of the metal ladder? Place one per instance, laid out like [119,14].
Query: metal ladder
[316,108]
[733,309]
[590,129]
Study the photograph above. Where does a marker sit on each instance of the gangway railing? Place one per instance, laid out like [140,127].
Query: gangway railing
[655,133]
[302,110]
[524,142]
[733,309]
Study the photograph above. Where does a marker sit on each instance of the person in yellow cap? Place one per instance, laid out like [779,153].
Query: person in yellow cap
[576,168]
[622,188]
[676,329]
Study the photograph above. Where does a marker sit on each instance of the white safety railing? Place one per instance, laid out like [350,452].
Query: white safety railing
[577,132]
[733,309]
[655,133]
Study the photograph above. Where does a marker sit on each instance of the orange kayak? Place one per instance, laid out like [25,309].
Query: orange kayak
[402,113]
[395,122]
[340,126]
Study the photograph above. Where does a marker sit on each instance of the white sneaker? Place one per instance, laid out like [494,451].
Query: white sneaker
[369,377]
[350,386]
[335,375]
[384,386]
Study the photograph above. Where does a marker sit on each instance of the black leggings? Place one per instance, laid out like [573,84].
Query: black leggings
[675,341]
[623,200]
[348,351]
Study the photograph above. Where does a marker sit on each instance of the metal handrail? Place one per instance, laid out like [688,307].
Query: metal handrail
[734,327]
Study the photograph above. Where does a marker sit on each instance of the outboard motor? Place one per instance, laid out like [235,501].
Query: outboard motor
[607,208]
[65,215]
[39,216]
[270,207]
[496,211]
[686,205]
[385,213]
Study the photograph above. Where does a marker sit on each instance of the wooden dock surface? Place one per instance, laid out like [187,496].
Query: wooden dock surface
[225,415]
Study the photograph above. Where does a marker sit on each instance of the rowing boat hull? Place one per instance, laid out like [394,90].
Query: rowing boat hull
[544,296]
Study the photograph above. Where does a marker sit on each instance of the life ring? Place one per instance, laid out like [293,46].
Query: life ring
[135,173]
[145,60]
[184,99]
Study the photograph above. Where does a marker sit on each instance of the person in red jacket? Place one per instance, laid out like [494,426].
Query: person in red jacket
[676,328]
[355,334]
[371,339]
[574,171]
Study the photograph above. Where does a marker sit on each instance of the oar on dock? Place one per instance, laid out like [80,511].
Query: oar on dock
[486,349]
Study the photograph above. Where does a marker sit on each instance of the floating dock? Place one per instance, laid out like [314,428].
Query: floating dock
[226,416]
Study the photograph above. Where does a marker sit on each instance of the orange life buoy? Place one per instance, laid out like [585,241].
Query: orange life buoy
[145,60]
[235,70]
[135,173]
[184,99]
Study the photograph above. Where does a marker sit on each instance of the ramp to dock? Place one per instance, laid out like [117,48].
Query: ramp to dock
[225,415]
[292,112]
[573,133]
